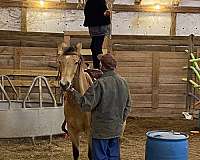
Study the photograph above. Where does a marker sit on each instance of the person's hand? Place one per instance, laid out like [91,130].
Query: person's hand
[107,13]
[71,89]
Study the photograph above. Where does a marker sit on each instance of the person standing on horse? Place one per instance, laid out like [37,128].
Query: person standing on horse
[97,19]
[108,100]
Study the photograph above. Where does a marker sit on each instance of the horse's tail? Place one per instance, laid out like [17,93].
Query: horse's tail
[63,127]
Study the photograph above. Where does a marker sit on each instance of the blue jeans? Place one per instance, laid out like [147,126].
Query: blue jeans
[96,48]
[106,149]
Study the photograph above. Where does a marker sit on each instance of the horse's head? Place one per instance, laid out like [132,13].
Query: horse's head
[69,64]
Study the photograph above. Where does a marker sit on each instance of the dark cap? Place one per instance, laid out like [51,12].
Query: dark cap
[108,62]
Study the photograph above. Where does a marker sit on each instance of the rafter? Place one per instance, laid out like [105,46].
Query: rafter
[116,7]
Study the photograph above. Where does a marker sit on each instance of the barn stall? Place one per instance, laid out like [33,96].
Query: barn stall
[148,44]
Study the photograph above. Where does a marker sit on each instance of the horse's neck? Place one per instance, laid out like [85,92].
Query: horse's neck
[81,83]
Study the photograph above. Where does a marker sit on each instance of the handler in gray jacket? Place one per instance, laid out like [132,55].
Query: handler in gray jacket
[108,100]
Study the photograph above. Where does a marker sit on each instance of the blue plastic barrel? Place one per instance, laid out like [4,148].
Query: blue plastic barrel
[166,145]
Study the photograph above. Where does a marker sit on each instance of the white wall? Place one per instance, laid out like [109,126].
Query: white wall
[188,24]
[10,19]
[141,23]
[54,20]
[40,20]
[123,22]
[194,3]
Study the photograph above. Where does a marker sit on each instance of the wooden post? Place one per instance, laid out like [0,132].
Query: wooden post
[17,64]
[173,24]
[155,80]
[175,3]
[17,58]
[108,39]
[189,73]
[67,40]
[24,19]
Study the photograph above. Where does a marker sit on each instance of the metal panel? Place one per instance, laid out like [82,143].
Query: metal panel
[31,122]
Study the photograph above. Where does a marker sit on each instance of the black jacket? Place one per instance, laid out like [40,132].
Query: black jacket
[94,13]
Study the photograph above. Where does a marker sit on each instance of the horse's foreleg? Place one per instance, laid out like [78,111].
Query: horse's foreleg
[75,144]
[89,144]
[90,148]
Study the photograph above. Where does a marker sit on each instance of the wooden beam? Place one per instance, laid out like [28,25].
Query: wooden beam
[23,19]
[173,19]
[17,58]
[155,80]
[116,7]
[17,72]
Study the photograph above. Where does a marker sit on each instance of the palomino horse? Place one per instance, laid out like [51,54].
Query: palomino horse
[71,70]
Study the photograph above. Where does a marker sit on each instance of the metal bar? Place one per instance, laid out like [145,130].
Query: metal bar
[40,90]
[12,86]
[50,91]
[2,83]
[7,97]
[29,91]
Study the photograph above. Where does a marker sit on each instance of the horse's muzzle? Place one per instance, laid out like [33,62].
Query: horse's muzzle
[65,85]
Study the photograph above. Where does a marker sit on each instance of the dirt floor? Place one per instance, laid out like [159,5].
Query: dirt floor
[133,145]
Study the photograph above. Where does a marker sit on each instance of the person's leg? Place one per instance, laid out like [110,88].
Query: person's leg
[96,48]
[113,151]
[99,149]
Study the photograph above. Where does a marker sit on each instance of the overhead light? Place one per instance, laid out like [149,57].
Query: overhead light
[157,6]
[42,3]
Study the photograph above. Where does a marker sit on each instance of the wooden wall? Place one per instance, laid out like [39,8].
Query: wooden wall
[155,81]
[152,65]
[23,56]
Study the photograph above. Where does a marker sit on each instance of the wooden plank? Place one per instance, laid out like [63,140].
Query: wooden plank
[172,71]
[28,72]
[116,7]
[137,74]
[39,51]
[139,105]
[141,98]
[132,70]
[173,55]
[170,62]
[152,41]
[172,98]
[155,80]
[172,88]
[7,50]
[147,48]
[171,106]
[134,79]
[133,54]
[27,83]
[145,63]
[76,33]
[172,79]
[138,112]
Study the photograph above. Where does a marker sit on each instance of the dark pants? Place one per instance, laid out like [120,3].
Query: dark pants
[96,48]
[106,149]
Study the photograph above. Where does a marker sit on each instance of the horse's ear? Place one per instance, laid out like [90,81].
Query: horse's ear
[61,48]
[78,48]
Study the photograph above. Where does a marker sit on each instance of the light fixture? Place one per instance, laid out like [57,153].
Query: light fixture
[42,3]
[157,6]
